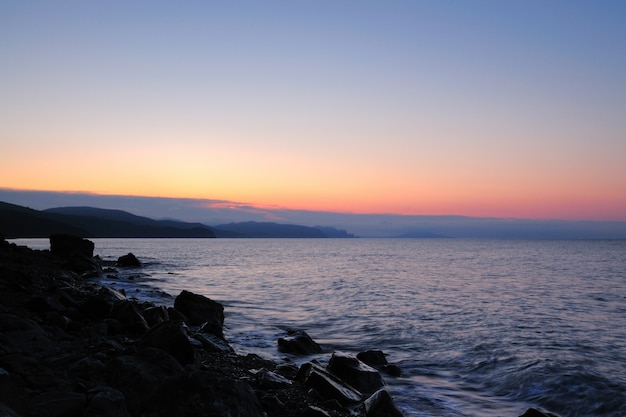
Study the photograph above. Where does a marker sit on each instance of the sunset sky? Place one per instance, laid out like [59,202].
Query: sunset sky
[477,108]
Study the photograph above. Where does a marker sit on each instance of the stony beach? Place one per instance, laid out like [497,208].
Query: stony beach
[72,347]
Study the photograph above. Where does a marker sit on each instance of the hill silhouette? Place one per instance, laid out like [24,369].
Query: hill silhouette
[23,222]
[17,221]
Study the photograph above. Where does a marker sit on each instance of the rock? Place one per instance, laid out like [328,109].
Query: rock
[127,313]
[67,246]
[534,412]
[13,393]
[391,369]
[128,261]
[372,358]
[380,404]
[377,359]
[106,402]
[77,253]
[359,375]
[141,375]
[18,334]
[312,411]
[5,411]
[273,404]
[171,336]
[59,404]
[87,368]
[199,309]
[269,379]
[212,343]
[227,397]
[155,315]
[328,386]
[298,341]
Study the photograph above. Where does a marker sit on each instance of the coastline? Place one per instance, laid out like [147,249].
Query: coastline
[71,347]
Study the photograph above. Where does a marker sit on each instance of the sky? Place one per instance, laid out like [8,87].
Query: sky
[510,109]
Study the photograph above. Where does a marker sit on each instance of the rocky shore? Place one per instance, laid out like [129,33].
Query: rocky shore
[70,347]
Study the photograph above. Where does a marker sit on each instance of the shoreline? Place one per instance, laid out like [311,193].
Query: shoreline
[72,347]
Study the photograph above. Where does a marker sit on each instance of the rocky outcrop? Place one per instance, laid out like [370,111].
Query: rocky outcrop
[201,311]
[359,375]
[298,342]
[70,347]
[128,261]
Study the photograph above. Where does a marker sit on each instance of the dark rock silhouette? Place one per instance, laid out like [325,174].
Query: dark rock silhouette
[299,342]
[199,310]
[359,375]
[128,261]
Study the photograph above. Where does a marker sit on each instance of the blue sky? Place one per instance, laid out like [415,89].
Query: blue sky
[482,108]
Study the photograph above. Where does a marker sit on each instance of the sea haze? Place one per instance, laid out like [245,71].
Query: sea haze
[479,327]
[217,212]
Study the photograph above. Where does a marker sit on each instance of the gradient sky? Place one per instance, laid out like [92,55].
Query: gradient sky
[478,108]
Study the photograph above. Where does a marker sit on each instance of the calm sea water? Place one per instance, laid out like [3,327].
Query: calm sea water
[478,327]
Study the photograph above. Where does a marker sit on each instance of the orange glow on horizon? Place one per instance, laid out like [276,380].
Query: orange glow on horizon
[608,210]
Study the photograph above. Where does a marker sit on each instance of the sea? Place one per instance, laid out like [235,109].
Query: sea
[479,328]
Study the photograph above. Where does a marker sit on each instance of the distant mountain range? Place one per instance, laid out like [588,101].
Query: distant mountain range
[18,221]
[230,219]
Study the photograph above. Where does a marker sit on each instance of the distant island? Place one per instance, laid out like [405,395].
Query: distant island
[23,222]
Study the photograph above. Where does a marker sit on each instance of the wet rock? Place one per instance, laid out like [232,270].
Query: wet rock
[98,306]
[12,393]
[199,309]
[378,360]
[127,313]
[359,375]
[534,412]
[212,343]
[171,336]
[299,342]
[18,334]
[227,397]
[380,404]
[87,369]
[141,375]
[372,358]
[328,386]
[269,379]
[6,411]
[272,404]
[106,402]
[128,261]
[59,404]
[312,411]
[155,315]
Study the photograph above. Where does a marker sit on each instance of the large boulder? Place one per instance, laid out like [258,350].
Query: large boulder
[378,360]
[68,246]
[76,252]
[171,336]
[199,309]
[328,386]
[380,404]
[359,375]
[299,342]
[128,261]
